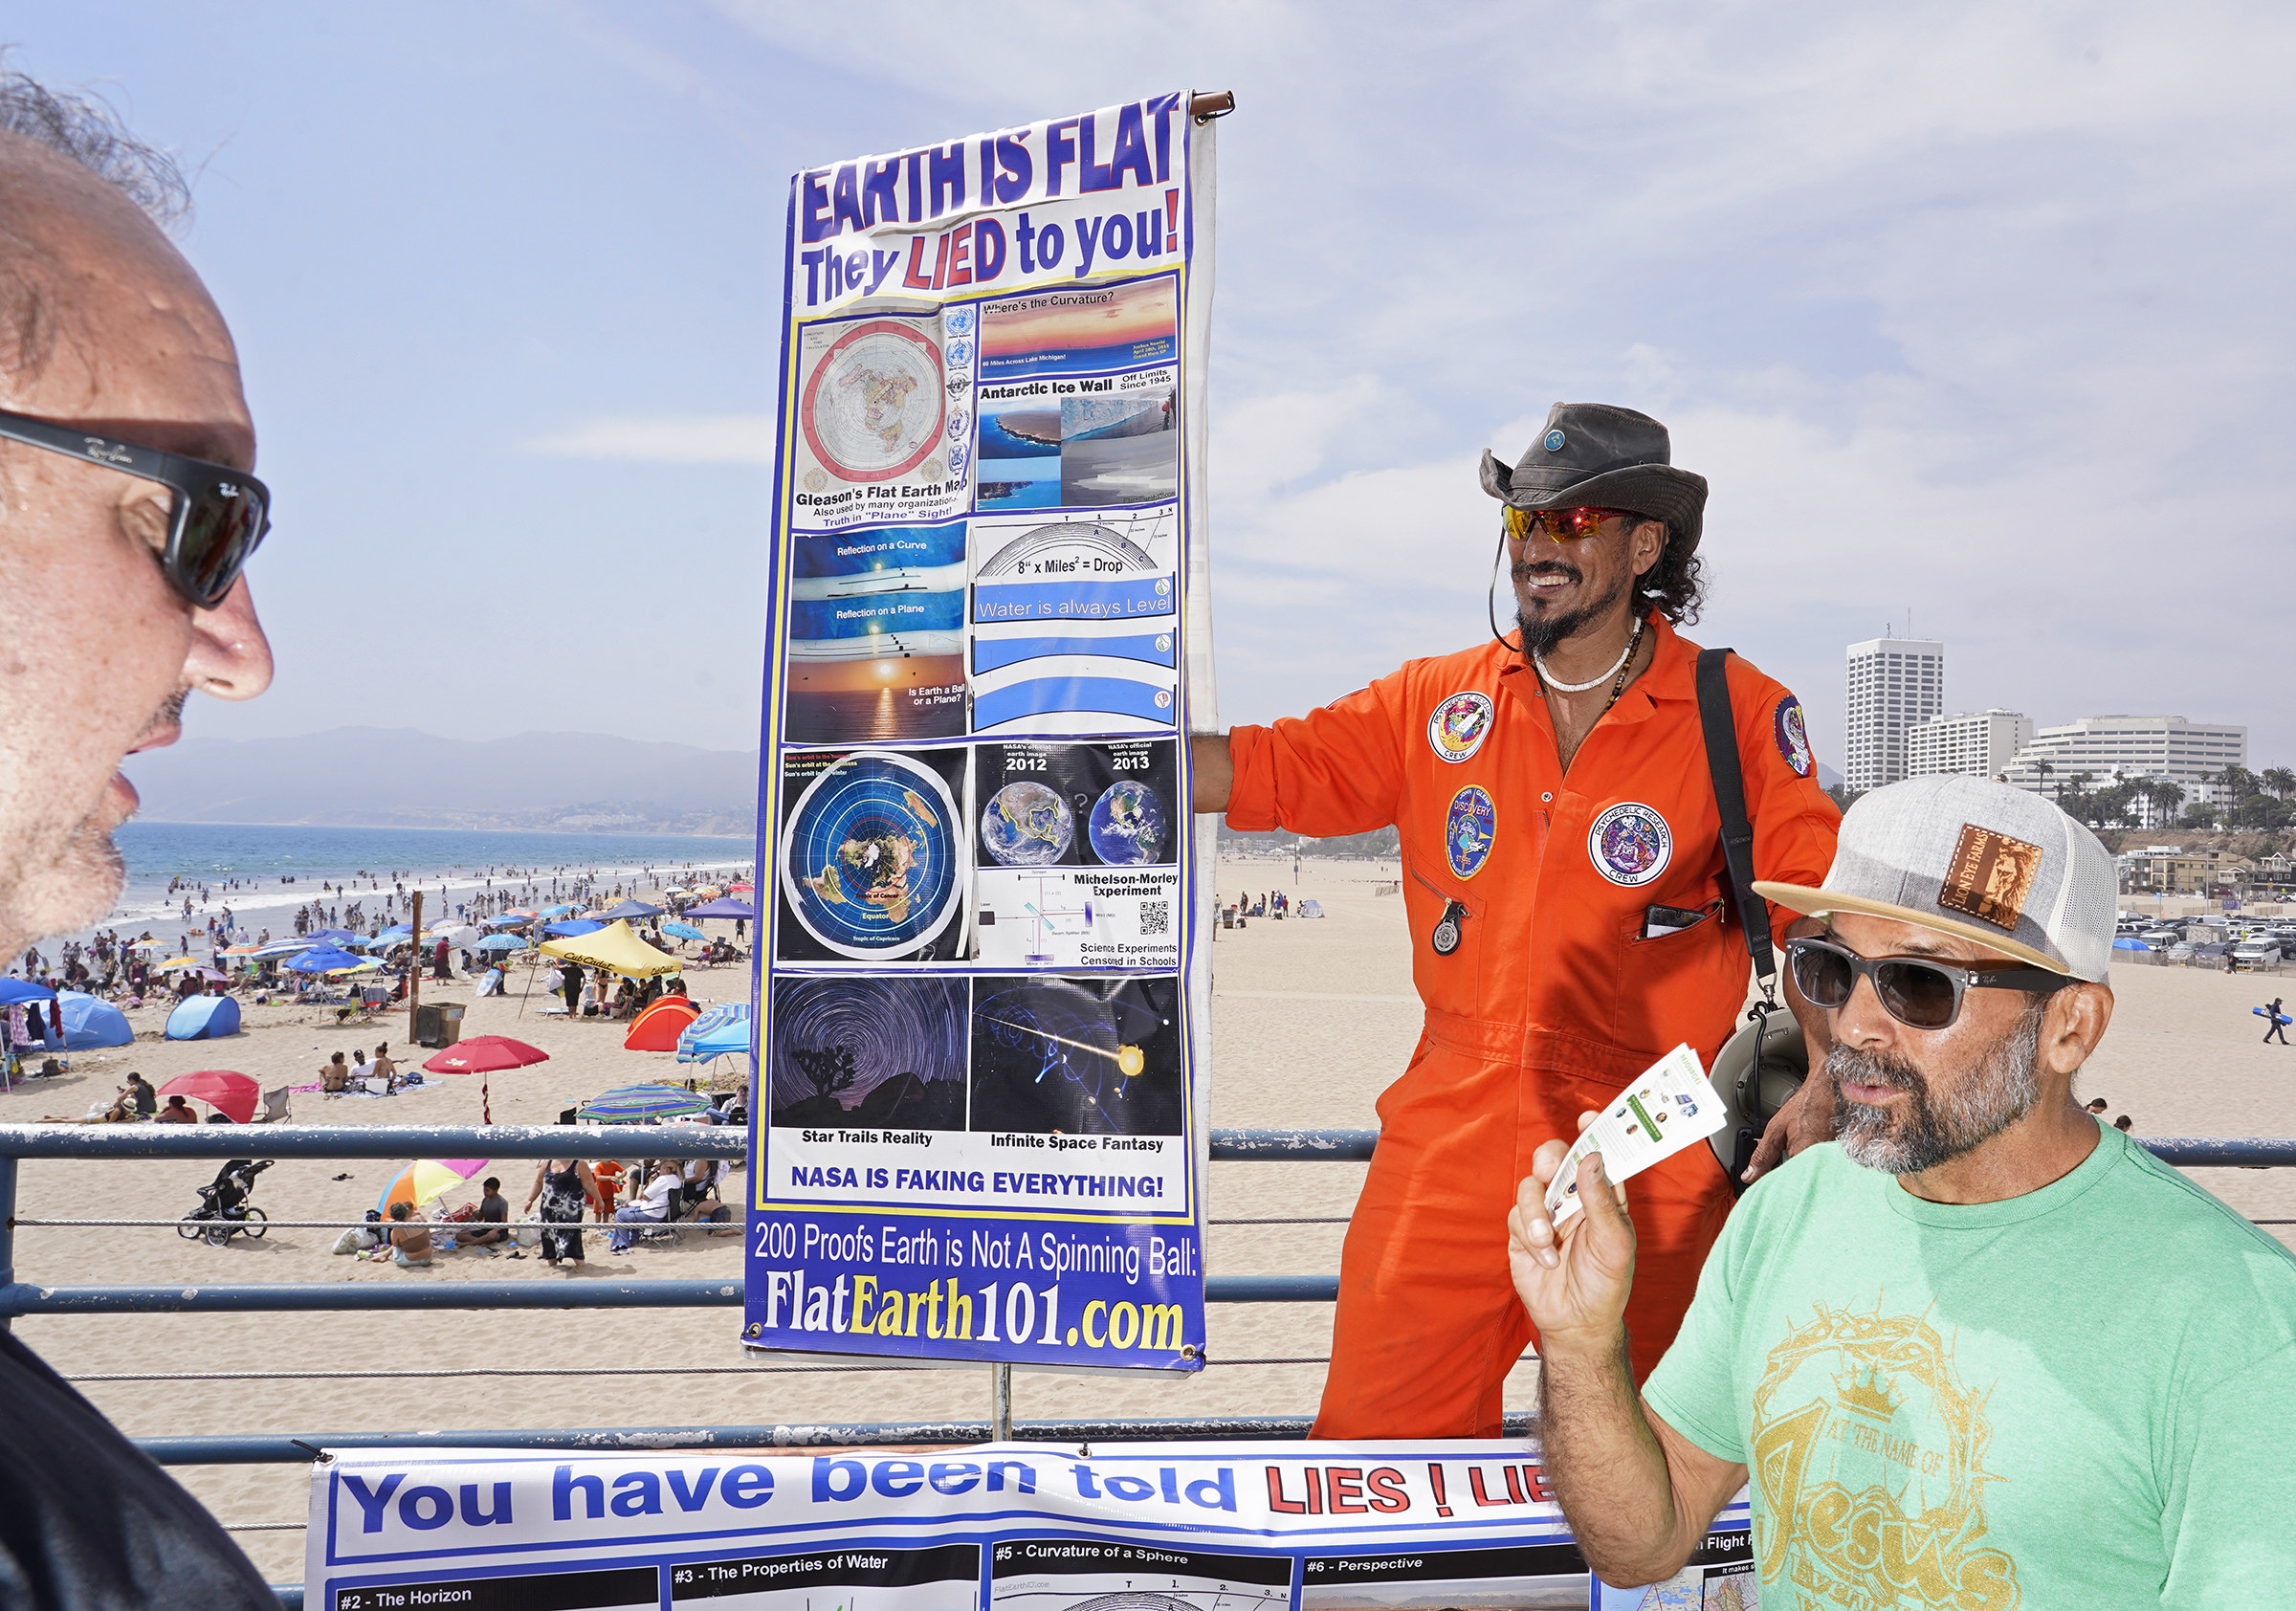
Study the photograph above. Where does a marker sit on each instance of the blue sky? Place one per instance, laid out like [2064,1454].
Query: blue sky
[1972,312]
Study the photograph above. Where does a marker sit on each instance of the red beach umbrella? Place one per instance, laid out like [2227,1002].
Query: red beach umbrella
[484,1054]
[230,1094]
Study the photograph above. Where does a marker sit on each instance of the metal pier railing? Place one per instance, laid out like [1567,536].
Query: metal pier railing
[17,1297]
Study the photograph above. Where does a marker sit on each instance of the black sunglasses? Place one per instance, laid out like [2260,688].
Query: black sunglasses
[220,516]
[1919,995]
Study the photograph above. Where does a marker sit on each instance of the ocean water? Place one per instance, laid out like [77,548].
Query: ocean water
[245,866]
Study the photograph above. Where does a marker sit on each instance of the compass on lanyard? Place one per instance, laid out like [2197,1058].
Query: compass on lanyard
[1446,938]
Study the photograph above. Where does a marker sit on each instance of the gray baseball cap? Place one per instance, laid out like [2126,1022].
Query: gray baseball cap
[1978,860]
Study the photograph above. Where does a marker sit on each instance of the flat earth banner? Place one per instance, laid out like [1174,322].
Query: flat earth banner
[999,1527]
[982,1033]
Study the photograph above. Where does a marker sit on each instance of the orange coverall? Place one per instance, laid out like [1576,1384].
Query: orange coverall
[1549,999]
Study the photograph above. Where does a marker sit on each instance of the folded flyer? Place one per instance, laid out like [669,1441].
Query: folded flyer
[1670,1106]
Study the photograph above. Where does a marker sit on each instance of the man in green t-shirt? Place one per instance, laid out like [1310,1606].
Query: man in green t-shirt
[1982,1353]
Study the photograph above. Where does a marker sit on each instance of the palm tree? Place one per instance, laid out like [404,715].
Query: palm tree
[2280,781]
[2045,769]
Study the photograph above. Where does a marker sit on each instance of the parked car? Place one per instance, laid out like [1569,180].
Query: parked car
[2181,952]
[2158,937]
[2256,954]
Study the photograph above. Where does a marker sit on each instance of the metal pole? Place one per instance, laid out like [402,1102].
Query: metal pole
[1000,1429]
[8,1234]
[414,970]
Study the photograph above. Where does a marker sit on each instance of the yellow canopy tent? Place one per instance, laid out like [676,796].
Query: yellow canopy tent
[616,949]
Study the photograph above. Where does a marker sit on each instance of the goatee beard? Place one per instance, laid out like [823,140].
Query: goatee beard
[1998,1091]
[1543,633]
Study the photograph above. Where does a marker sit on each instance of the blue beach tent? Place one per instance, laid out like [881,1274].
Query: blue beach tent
[569,930]
[15,990]
[724,906]
[204,1018]
[89,1023]
[323,958]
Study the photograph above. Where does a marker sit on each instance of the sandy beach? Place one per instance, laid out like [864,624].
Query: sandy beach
[1311,1021]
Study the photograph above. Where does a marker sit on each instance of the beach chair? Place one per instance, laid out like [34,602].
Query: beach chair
[274,1106]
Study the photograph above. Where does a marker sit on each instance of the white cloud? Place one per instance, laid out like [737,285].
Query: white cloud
[665,439]
[1969,311]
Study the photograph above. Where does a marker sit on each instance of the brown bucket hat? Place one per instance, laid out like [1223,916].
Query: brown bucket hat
[1595,453]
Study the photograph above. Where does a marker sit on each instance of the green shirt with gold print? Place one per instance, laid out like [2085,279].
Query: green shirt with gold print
[2082,1397]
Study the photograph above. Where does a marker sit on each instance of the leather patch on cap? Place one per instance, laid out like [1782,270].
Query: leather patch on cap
[1990,877]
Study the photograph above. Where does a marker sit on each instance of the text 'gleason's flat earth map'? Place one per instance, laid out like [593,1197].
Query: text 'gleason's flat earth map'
[872,407]
[871,857]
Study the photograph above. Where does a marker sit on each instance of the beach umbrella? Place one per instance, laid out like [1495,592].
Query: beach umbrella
[427,1178]
[237,951]
[740,887]
[147,945]
[683,931]
[616,949]
[454,933]
[500,943]
[630,909]
[723,1031]
[284,948]
[15,990]
[507,921]
[485,1054]
[725,906]
[559,911]
[231,1093]
[323,958]
[329,936]
[569,930]
[176,964]
[633,1102]
[210,975]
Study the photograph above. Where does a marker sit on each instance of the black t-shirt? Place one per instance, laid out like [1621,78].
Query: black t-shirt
[89,1523]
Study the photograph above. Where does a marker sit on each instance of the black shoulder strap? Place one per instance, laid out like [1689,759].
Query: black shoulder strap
[1720,728]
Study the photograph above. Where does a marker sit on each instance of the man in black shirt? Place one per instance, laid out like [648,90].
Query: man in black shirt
[121,571]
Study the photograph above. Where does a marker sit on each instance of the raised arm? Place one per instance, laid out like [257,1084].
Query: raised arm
[1214,772]
[1640,1496]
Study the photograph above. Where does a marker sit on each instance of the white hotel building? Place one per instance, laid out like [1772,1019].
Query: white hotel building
[1895,684]
[2129,746]
[1981,744]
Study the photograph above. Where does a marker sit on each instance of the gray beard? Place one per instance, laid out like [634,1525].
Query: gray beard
[1998,1091]
[1541,635]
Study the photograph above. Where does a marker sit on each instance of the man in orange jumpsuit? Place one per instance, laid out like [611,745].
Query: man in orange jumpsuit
[1564,883]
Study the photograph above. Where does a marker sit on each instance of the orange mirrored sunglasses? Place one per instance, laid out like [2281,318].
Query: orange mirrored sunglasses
[1563,525]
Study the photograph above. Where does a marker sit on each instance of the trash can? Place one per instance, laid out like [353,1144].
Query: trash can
[450,1022]
[427,1025]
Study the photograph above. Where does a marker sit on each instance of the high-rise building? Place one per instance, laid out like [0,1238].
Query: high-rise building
[1894,684]
[1982,743]
[2129,746]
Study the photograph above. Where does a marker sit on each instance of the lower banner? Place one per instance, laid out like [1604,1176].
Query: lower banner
[999,1527]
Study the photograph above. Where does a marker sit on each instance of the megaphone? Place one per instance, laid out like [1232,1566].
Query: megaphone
[1757,1072]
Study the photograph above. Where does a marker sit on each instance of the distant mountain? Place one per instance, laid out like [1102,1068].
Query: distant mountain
[378,777]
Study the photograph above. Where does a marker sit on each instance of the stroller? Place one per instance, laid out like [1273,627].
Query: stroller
[224,1211]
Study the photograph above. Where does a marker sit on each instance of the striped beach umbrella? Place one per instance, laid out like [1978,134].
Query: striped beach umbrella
[427,1178]
[643,1101]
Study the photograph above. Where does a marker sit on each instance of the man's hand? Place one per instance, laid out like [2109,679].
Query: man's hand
[1808,1117]
[1572,1283]
[1805,1121]
[1212,772]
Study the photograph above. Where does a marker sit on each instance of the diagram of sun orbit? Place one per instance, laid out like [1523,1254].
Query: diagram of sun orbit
[872,858]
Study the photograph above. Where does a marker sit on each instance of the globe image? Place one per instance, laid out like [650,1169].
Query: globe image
[1128,826]
[1026,825]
